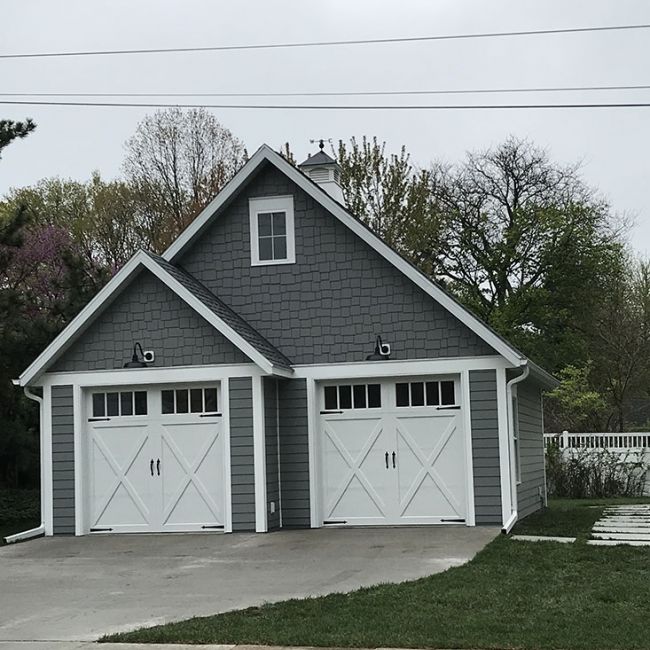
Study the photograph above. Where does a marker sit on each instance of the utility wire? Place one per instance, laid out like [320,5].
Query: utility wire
[370,41]
[340,94]
[355,107]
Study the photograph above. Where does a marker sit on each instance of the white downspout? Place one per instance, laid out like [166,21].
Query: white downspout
[39,530]
[512,519]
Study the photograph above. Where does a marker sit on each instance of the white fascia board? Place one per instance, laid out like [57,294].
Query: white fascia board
[82,318]
[399,368]
[321,196]
[142,376]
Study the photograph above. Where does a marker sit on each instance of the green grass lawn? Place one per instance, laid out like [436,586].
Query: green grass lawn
[568,517]
[511,595]
[19,510]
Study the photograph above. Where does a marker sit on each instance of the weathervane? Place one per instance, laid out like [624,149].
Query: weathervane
[321,142]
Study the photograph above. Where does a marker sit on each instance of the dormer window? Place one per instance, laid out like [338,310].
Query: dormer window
[272,230]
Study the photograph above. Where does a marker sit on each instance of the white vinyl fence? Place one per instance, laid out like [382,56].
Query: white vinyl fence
[633,446]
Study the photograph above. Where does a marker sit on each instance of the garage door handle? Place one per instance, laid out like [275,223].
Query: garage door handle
[158,466]
[393,460]
[151,466]
[386,460]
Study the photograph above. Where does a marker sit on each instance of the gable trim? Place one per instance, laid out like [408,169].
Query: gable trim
[85,316]
[265,153]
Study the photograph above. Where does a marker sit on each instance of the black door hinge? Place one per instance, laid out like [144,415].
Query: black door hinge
[99,419]
[210,415]
[101,530]
[212,527]
[333,523]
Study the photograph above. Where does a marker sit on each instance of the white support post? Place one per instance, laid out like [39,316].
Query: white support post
[504,446]
[314,484]
[470,518]
[79,464]
[225,411]
[259,455]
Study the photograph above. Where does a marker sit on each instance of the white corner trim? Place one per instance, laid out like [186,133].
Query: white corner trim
[259,456]
[225,410]
[466,401]
[312,438]
[79,464]
[46,458]
[504,447]
[261,205]
[322,197]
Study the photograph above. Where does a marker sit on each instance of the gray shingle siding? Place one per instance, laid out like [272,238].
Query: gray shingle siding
[63,500]
[330,304]
[149,312]
[294,453]
[241,454]
[531,449]
[485,446]
[272,465]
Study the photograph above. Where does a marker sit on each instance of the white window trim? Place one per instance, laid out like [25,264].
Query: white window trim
[262,205]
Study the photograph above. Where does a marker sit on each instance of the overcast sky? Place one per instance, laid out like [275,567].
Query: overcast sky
[613,144]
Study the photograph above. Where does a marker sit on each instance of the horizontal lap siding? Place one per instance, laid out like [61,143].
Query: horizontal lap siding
[294,454]
[241,454]
[271,438]
[531,449]
[63,499]
[485,446]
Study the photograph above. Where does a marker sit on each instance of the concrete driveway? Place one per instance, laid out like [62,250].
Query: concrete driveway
[77,589]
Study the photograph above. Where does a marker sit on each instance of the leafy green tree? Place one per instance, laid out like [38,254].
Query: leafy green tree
[10,131]
[574,405]
[102,217]
[390,196]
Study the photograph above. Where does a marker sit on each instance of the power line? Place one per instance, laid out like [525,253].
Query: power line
[353,107]
[365,93]
[369,41]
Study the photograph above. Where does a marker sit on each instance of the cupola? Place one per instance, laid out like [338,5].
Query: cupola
[325,171]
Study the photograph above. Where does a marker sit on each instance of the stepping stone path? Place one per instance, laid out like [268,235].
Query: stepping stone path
[622,525]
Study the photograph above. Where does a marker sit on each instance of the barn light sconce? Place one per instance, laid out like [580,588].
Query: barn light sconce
[382,351]
[135,361]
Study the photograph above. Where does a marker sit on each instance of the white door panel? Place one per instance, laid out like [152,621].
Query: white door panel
[192,475]
[431,477]
[122,493]
[356,485]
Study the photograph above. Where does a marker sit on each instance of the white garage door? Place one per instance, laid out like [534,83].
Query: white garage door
[156,460]
[393,453]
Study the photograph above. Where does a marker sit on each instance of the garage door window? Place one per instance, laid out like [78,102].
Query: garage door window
[116,404]
[348,396]
[425,393]
[189,400]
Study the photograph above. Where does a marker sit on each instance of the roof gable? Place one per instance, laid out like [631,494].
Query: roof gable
[265,154]
[203,302]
